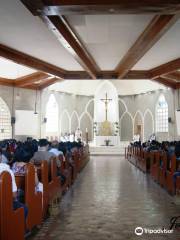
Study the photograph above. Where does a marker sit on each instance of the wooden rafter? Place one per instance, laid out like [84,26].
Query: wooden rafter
[48,83]
[54,7]
[6,82]
[166,82]
[174,76]
[153,32]
[30,79]
[29,61]
[165,68]
[69,39]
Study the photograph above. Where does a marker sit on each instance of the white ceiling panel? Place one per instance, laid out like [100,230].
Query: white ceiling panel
[108,37]
[165,50]
[22,31]
[11,70]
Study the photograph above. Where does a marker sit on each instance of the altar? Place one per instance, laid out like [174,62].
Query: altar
[106,117]
[101,140]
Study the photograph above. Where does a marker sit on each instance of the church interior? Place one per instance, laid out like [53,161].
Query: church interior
[89,119]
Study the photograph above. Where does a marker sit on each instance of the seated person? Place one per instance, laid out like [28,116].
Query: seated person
[3,157]
[16,204]
[55,150]
[177,151]
[175,175]
[42,153]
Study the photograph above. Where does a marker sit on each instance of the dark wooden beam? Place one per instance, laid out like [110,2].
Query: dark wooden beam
[30,79]
[133,74]
[153,32]
[29,61]
[166,82]
[69,39]
[174,76]
[48,83]
[6,82]
[137,74]
[165,68]
[68,7]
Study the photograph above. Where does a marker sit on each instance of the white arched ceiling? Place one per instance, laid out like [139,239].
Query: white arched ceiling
[123,88]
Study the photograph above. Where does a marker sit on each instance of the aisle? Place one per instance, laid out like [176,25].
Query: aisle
[109,200]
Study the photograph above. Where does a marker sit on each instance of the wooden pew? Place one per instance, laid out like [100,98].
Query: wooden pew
[74,165]
[144,161]
[154,165]
[162,169]
[51,183]
[65,170]
[12,223]
[169,175]
[33,199]
[54,185]
[43,177]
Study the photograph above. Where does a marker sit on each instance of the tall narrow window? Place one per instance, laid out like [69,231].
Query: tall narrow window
[162,115]
[5,121]
[52,116]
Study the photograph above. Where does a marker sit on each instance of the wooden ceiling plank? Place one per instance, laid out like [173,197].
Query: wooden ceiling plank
[48,83]
[68,7]
[165,68]
[69,39]
[30,79]
[166,82]
[29,61]
[174,76]
[153,32]
[6,82]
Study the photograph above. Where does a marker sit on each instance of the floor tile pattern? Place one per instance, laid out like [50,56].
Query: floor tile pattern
[108,201]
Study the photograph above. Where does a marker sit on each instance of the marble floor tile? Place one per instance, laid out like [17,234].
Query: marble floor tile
[108,201]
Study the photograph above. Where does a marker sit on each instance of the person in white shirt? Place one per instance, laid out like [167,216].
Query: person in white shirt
[78,135]
[54,149]
[16,204]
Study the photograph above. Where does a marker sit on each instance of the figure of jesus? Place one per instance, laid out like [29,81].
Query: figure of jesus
[106,101]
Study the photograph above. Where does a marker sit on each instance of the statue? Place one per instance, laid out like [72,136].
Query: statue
[106,129]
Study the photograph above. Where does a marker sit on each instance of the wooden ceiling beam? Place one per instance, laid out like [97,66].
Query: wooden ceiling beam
[68,7]
[30,79]
[6,82]
[174,76]
[153,32]
[48,83]
[165,68]
[69,39]
[133,74]
[29,61]
[166,82]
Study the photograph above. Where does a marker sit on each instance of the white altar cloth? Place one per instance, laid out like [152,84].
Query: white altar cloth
[100,140]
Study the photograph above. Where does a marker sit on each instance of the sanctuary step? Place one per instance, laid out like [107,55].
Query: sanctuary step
[108,150]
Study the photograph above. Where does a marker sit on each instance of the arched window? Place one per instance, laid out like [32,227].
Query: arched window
[162,115]
[52,115]
[5,121]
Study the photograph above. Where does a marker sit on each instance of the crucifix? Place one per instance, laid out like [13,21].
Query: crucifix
[106,101]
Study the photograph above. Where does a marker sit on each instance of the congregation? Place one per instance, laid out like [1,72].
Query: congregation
[62,161]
